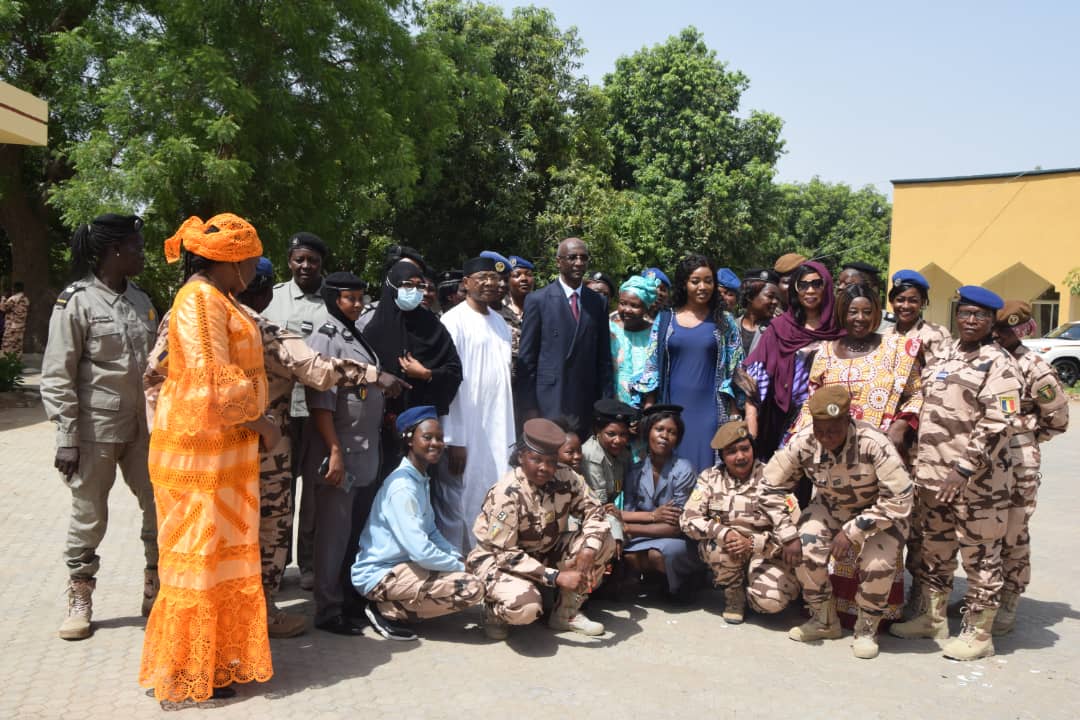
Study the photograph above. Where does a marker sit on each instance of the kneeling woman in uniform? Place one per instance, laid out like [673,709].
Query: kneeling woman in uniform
[524,542]
[404,565]
[656,490]
[735,536]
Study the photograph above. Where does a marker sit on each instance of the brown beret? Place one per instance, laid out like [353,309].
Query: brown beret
[543,436]
[786,264]
[1015,312]
[730,433]
[828,402]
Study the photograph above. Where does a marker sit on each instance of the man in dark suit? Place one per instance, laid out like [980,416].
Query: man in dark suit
[564,360]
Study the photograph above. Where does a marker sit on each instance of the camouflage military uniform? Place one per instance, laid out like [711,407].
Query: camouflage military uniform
[411,593]
[935,339]
[864,491]
[288,360]
[1044,413]
[965,423]
[513,319]
[523,539]
[15,309]
[720,504]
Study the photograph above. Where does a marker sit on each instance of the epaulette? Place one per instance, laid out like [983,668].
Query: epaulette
[281,284]
[328,329]
[63,297]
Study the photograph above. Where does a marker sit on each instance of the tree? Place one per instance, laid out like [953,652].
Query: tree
[316,116]
[702,172]
[833,222]
[523,119]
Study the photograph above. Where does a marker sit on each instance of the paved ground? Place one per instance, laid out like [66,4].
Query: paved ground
[653,663]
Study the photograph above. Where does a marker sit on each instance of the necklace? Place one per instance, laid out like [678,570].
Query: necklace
[858,346]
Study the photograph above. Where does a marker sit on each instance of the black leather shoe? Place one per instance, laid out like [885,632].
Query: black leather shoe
[341,625]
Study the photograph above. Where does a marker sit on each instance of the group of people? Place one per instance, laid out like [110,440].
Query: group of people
[467,439]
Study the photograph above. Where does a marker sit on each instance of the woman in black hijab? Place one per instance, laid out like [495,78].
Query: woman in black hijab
[411,343]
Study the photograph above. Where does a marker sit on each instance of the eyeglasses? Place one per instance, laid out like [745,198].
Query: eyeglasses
[972,315]
[485,277]
[410,285]
[583,257]
[804,285]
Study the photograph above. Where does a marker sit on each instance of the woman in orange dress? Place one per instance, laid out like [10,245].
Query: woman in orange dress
[207,629]
[882,374]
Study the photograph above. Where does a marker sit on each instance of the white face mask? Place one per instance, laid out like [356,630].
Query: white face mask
[408,298]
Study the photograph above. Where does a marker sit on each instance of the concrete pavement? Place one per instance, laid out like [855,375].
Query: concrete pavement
[655,662]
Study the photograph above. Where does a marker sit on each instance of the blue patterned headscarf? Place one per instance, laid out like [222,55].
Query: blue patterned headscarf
[644,288]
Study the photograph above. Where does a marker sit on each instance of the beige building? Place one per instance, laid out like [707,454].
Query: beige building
[1017,234]
[24,120]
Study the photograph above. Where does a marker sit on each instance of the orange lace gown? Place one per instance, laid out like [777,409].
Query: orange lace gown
[208,625]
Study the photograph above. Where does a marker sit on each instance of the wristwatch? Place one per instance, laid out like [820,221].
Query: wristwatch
[550,576]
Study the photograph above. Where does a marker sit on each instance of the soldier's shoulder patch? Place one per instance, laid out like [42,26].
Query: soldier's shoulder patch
[63,298]
[1046,393]
[697,495]
[328,329]
[1010,404]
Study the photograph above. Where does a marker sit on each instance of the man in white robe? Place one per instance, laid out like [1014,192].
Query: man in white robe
[479,429]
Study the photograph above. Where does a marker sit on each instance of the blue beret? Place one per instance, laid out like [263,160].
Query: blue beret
[414,416]
[910,277]
[975,295]
[656,274]
[502,264]
[726,278]
[516,261]
[264,268]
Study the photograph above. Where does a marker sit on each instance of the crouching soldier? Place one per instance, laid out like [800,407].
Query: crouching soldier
[735,536]
[404,565]
[862,501]
[524,542]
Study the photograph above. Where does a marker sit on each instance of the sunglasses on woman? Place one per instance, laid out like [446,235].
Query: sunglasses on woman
[804,285]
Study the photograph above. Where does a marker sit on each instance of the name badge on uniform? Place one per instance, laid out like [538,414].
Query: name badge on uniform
[306,327]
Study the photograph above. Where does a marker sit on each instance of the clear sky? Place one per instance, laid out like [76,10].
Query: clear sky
[872,91]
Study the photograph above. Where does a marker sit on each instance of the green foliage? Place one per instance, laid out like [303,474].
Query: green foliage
[1072,281]
[11,372]
[702,173]
[449,125]
[832,221]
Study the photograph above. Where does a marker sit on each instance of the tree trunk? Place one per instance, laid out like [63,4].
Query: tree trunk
[23,217]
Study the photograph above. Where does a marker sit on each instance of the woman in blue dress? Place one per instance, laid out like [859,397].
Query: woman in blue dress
[656,490]
[695,351]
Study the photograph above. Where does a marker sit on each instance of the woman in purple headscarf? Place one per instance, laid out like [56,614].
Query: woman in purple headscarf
[780,364]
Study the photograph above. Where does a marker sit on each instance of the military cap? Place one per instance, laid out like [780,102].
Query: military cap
[865,268]
[612,410]
[788,263]
[542,436]
[450,277]
[1013,313]
[601,277]
[308,240]
[730,433]
[910,277]
[342,280]
[414,416]
[829,402]
[975,295]
[502,263]
[478,264]
[727,279]
[516,261]
[656,274]
[264,268]
[761,275]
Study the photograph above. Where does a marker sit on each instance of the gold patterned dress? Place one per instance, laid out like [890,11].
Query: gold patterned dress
[208,625]
[885,386]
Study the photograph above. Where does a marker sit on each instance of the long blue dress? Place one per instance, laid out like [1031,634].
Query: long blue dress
[692,384]
[641,494]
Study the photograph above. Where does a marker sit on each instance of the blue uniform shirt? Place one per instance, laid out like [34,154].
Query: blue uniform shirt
[401,528]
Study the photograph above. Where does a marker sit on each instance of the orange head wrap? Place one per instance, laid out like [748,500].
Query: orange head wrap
[234,239]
